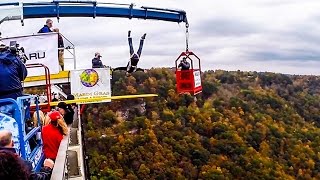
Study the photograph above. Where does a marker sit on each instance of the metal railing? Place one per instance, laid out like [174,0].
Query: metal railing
[58,172]
[70,154]
[70,48]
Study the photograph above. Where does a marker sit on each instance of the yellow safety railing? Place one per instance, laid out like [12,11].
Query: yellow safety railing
[99,99]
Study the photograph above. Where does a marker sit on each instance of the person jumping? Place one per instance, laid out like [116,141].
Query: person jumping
[134,57]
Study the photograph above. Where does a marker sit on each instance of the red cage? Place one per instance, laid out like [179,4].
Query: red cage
[189,81]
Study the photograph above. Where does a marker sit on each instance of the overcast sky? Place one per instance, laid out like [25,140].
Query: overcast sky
[248,35]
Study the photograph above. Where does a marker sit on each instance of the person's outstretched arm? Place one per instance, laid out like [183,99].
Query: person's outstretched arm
[45,172]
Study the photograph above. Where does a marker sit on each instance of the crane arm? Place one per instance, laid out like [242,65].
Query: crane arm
[93,9]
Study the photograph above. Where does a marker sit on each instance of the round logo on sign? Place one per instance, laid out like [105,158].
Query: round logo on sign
[89,77]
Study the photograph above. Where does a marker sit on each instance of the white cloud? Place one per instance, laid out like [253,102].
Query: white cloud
[256,35]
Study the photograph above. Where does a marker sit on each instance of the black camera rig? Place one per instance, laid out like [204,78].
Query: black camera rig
[18,51]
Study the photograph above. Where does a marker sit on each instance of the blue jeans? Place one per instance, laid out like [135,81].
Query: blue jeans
[131,46]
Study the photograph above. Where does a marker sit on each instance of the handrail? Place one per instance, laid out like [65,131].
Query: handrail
[36,155]
[73,53]
[67,40]
[32,133]
[187,55]
[48,82]
[97,99]
[17,116]
[58,171]
[20,108]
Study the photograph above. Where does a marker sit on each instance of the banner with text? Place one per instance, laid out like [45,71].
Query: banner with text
[91,83]
[197,79]
[40,48]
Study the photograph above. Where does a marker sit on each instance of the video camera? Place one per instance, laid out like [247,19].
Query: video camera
[18,51]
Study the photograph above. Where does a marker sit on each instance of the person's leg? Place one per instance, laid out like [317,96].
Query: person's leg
[141,45]
[61,59]
[130,44]
[129,65]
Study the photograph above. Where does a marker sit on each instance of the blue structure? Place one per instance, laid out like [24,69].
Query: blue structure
[94,9]
[13,117]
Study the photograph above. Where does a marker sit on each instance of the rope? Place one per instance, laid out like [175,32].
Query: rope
[187,37]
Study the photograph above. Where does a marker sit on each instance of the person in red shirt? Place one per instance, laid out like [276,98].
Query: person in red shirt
[52,134]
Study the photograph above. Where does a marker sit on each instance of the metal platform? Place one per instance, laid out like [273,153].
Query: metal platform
[61,78]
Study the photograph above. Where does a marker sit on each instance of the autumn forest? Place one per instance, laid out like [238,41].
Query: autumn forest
[244,125]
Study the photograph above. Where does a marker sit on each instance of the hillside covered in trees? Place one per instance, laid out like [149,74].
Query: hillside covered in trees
[245,125]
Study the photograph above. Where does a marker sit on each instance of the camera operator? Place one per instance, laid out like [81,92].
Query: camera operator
[12,72]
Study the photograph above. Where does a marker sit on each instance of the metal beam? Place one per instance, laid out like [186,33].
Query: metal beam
[10,18]
[93,9]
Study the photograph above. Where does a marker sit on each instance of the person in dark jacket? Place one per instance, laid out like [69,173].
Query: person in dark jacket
[12,72]
[6,146]
[96,61]
[13,167]
[66,111]
[184,64]
[134,57]
[47,27]
[75,110]
[61,49]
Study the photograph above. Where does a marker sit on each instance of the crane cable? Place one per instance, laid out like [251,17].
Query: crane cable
[187,37]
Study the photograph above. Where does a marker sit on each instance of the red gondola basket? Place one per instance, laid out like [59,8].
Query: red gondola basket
[188,81]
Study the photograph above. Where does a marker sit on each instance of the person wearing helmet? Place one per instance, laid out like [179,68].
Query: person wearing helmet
[134,57]
[184,64]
